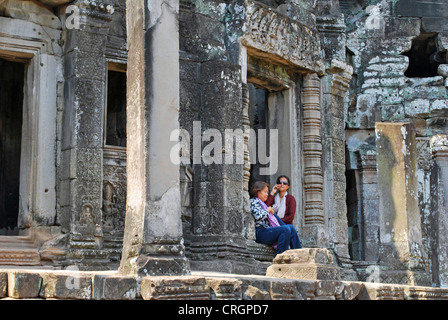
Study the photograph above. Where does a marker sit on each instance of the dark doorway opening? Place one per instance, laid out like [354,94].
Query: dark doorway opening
[354,239]
[424,56]
[258,117]
[12,75]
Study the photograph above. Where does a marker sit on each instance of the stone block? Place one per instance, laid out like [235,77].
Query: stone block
[439,108]
[418,107]
[435,24]
[379,291]
[392,112]
[425,293]
[254,293]
[3,284]
[442,70]
[254,288]
[22,284]
[67,285]
[351,290]
[329,290]
[225,289]
[408,277]
[107,287]
[175,288]
[437,125]
[285,290]
[309,264]
[307,288]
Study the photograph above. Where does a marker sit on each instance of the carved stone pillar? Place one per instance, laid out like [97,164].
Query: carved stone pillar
[248,219]
[153,243]
[335,86]
[369,208]
[82,132]
[217,234]
[314,231]
[439,193]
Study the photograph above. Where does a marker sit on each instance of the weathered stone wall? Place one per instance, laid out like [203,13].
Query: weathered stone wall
[382,37]
[78,62]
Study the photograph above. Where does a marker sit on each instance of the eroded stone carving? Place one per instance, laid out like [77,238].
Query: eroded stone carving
[270,31]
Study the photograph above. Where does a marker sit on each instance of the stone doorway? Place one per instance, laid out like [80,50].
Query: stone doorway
[274,146]
[258,118]
[12,75]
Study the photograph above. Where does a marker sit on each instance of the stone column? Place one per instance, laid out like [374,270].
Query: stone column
[82,132]
[335,86]
[248,219]
[400,255]
[217,240]
[369,209]
[315,232]
[153,243]
[439,192]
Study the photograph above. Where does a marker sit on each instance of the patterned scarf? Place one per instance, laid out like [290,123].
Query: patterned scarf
[272,219]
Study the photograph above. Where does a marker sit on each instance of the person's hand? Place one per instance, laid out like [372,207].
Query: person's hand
[274,189]
[270,210]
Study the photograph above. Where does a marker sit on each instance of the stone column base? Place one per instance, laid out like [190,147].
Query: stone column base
[308,264]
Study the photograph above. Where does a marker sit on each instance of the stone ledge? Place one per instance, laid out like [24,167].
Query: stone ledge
[109,285]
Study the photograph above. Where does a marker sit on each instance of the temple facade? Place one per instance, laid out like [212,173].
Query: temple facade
[132,132]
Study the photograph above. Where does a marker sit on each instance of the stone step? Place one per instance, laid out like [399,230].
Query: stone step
[16,242]
[18,251]
[19,257]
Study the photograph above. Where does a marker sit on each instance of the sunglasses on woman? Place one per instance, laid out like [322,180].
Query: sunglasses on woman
[284,182]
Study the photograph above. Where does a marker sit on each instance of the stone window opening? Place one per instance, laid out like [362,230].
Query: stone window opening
[115,106]
[424,56]
[12,76]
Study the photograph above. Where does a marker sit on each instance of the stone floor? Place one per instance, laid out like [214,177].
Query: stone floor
[32,283]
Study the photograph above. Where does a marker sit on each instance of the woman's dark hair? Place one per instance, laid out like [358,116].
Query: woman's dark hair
[283,176]
[258,186]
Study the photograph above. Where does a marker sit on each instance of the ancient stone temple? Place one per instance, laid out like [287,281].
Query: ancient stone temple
[132,131]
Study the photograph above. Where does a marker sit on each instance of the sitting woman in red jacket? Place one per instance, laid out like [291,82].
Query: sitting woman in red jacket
[284,204]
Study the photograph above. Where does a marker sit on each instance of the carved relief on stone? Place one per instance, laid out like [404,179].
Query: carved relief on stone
[89,164]
[312,150]
[88,192]
[439,145]
[272,32]
[423,154]
[109,205]
[88,195]
[114,191]
[87,218]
